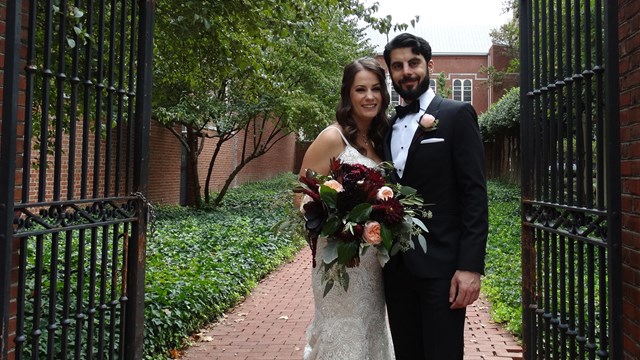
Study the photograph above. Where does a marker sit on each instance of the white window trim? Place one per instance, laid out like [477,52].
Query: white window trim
[462,89]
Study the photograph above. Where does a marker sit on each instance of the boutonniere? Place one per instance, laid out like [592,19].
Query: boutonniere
[428,122]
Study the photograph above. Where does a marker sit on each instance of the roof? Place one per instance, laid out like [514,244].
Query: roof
[444,39]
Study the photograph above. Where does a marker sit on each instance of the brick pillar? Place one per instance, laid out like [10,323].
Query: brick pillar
[629,46]
[19,154]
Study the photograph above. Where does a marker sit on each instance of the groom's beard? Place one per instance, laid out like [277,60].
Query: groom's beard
[414,93]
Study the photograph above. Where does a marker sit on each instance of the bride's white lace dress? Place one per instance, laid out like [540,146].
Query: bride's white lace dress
[350,325]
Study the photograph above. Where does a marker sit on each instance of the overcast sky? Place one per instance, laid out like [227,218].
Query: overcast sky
[442,12]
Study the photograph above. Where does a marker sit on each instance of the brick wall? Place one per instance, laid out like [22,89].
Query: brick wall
[165,153]
[499,59]
[19,141]
[629,47]
[165,163]
[281,158]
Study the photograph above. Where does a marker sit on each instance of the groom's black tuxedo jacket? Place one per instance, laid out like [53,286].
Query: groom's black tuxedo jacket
[448,171]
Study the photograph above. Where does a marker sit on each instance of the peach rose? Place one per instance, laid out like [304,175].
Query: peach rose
[428,123]
[335,185]
[384,193]
[371,233]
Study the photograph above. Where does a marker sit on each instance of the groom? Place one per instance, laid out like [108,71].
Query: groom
[427,293]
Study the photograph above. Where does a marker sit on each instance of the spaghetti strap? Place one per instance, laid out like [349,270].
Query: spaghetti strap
[339,132]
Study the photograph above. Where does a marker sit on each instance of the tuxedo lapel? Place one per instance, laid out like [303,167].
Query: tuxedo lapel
[387,139]
[387,148]
[433,109]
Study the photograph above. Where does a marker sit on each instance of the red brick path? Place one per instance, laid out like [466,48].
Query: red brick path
[270,324]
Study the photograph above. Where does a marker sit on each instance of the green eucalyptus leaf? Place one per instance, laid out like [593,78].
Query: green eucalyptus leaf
[383,256]
[423,242]
[330,252]
[420,224]
[395,249]
[344,280]
[407,190]
[327,287]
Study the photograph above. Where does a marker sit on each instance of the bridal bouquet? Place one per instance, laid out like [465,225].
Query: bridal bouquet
[356,208]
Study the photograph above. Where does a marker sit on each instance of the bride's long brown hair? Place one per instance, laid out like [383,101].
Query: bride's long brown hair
[380,123]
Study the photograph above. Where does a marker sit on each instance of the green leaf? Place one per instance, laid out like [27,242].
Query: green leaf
[360,213]
[407,190]
[77,13]
[394,249]
[330,252]
[328,195]
[327,287]
[383,256]
[331,226]
[346,251]
[387,236]
[423,242]
[344,280]
[420,224]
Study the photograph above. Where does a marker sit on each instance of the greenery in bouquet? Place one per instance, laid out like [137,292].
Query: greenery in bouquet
[357,208]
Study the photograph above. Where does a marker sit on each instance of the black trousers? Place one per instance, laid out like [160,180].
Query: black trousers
[422,325]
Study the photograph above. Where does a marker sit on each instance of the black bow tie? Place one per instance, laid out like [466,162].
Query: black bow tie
[412,108]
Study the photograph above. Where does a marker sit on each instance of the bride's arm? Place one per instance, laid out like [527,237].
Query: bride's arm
[326,146]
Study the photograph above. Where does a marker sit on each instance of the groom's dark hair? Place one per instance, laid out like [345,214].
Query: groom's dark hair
[417,44]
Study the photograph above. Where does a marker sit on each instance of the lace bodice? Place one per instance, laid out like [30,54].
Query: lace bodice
[350,325]
[350,154]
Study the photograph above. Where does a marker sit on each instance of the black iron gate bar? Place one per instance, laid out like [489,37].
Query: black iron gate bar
[7,164]
[65,79]
[100,216]
[570,190]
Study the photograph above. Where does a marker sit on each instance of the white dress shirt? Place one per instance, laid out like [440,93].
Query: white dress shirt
[403,131]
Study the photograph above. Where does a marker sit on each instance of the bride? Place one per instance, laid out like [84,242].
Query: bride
[352,325]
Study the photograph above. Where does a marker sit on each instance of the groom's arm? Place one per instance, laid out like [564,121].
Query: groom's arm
[472,190]
[473,205]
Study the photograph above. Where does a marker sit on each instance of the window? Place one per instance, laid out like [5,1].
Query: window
[395,97]
[462,89]
[432,84]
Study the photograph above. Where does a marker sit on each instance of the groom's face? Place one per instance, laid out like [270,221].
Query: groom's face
[409,73]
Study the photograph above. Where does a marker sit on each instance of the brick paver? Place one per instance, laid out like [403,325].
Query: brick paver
[270,324]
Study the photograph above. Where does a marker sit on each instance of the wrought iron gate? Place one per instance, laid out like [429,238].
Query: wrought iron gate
[73,174]
[571,233]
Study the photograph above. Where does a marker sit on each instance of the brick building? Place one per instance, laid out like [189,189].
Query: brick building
[462,53]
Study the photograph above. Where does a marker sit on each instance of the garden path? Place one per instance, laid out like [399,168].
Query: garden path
[270,324]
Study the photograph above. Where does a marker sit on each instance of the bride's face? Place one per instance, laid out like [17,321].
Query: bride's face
[366,96]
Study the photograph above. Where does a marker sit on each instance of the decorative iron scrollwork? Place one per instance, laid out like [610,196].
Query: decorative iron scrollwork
[40,218]
[578,223]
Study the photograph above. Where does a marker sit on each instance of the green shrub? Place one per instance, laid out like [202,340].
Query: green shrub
[502,282]
[503,117]
[202,262]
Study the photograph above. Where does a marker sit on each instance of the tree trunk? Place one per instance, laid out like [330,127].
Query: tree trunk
[232,176]
[207,183]
[193,181]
